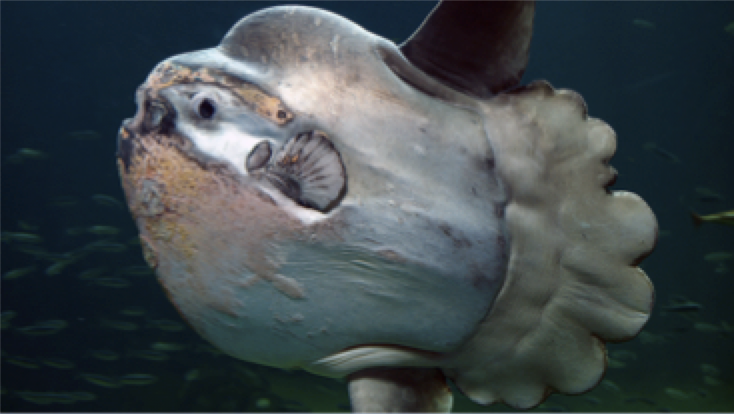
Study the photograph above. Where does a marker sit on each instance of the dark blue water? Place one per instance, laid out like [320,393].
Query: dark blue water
[71,66]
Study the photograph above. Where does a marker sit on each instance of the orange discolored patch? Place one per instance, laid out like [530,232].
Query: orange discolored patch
[267,106]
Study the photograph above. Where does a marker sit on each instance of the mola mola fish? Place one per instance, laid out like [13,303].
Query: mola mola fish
[313,196]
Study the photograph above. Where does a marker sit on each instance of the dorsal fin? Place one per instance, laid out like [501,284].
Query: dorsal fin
[477,47]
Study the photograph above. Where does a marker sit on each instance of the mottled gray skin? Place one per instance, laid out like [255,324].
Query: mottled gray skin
[414,253]
[408,262]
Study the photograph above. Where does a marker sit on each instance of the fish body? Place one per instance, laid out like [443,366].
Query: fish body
[725,217]
[711,381]
[57,268]
[32,154]
[103,230]
[21,237]
[677,394]
[685,307]
[43,398]
[313,196]
[17,273]
[644,24]
[101,380]
[58,363]
[138,379]
[111,282]
[49,327]
[64,201]
[23,362]
[708,196]
[718,256]
[661,152]
[92,273]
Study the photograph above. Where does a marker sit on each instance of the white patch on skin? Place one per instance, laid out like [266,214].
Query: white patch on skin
[227,143]
[288,286]
[307,216]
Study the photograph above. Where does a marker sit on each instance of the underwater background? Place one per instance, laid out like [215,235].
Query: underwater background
[86,327]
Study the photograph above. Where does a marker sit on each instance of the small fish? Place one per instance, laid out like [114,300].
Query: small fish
[21,237]
[58,363]
[101,380]
[706,327]
[92,273]
[103,230]
[192,375]
[23,362]
[611,385]
[262,403]
[138,379]
[104,355]
[111,282]
[134,241]
[49,327]
[661,152]
[613,363]
[677,394]
[84,135]
[64,201]
[718,256]
[167,325]
[708,196]
[39,252]
[107,201]
[711,381]
[592,400]
[643,400]
[710,369]
[148,354]
[729,28]
[644,24]
[683,307]
[168,346]
[7,316]
[26,226]
[18,273]
[133,311]
[43,398]
[57,268]
[31,154]
[726,217]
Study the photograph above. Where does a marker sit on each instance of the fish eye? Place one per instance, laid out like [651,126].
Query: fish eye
[206,108]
